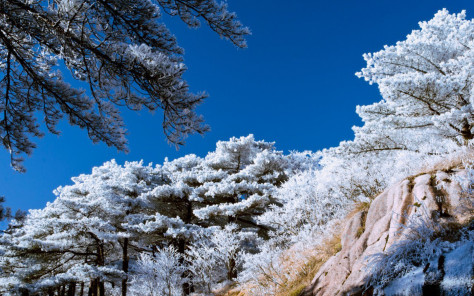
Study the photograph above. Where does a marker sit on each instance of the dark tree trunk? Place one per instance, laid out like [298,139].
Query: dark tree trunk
[466,131]
[125,266]
[97,286]
[100,262]
[92,288]
[182,244]
[187,287]
[82,283]
[63,290]
[232,272]
[101,288]
[71,290]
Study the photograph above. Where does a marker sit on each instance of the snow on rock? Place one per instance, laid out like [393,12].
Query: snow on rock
[459,267]
[408,285]
[449,273]
[403,221]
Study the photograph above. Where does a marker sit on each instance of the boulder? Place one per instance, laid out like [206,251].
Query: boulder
[433,198]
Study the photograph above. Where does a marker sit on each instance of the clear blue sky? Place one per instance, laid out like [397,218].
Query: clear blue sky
[294,85]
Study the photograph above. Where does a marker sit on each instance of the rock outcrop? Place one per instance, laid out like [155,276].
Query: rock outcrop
[434,198]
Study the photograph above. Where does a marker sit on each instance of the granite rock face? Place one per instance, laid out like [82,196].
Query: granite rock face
[433,197]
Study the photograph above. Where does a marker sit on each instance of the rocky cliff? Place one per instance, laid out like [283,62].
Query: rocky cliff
[426,221]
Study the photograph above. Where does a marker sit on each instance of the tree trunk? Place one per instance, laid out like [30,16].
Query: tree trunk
[101,289]
[63,290]
[232,272]
[97,286]
[466,131]
[100,262]
[71,290]
[92,288]
[82,283]
[187,287]
[125,266]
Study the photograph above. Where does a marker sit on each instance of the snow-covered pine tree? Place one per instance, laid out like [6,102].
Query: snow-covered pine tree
[426,82]
[173,204]
[235,185]
[87,235]
[90,238]
[239,181]
[119,49]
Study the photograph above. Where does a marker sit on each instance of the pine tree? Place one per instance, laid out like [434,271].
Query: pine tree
[87,235]
[96,233]
[426,83]
[238,182]
[119,50]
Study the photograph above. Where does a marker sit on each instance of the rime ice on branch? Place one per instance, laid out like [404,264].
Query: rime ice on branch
[426,82]
[100,230]
[121,52]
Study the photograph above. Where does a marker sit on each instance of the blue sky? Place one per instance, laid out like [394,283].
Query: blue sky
[294,85]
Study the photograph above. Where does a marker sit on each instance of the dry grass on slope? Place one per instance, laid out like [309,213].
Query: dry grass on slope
[307,263]
[316,259]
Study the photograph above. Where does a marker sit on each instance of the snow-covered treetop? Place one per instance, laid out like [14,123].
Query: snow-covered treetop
[426,83]
[236,153]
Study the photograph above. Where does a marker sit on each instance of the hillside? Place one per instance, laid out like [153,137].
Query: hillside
[414,239]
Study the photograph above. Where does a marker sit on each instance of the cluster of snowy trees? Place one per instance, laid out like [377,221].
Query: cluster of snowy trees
[193,224]
[426,115]
[185,224]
